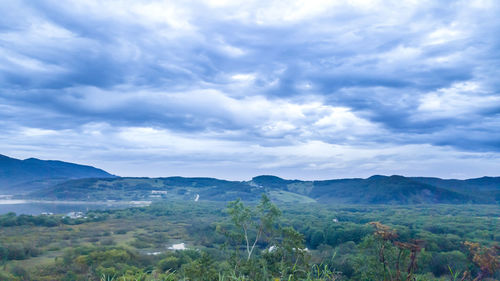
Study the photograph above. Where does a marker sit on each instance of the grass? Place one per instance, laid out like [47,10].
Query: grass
[290,197]
[58,239]
[317,273]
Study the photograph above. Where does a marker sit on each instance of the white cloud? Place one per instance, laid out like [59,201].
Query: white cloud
[457,101]
[304,88]
[146,151]
[444,35]
[244,77]
[37,132]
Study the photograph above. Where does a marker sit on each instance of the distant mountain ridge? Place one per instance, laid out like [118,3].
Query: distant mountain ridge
[57,180]
[374,190]
[483,183]
[31,174]
[386,190]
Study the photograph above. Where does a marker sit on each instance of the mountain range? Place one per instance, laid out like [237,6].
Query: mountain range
[56,180]
[18,176]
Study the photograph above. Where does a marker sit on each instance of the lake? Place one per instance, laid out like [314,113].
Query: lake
[33,207]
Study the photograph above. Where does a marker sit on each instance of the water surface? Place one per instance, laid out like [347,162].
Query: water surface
[32,207]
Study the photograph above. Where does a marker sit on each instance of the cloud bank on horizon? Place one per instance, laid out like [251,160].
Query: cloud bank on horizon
[232,89]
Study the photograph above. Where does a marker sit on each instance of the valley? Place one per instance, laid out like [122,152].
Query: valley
[179,228]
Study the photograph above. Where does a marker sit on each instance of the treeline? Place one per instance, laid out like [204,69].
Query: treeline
[11,219]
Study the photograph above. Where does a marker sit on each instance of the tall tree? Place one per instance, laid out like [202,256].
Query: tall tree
[254,224]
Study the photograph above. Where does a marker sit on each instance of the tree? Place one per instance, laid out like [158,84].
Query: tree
[259,228]
[253,225]
[487,259]
[317,238]
[293,253]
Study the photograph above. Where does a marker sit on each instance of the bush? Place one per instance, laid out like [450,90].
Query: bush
[121,231]
[140,244]
[5,276]
[20,272]
[107,242]
[169,263]
[16,251]
[440,262]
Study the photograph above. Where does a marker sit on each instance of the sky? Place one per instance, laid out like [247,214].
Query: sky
[232,89]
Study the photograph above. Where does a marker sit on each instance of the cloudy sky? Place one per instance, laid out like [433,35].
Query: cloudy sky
[309,89]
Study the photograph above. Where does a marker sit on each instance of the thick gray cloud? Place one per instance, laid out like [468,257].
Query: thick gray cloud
[312,89]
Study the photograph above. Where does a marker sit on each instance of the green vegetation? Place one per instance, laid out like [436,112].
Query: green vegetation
[374,190]
[176,188]
[10,219]
[285,242]
[289,197]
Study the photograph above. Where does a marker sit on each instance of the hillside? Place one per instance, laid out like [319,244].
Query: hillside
[177,188]
[57,180]
[386,190]
[487,188]
[18,176]
[373,190]
[471,185]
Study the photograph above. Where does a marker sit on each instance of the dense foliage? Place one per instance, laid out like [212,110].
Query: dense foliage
[285,242]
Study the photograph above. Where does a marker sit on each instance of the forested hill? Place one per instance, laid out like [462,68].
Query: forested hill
[42,179]
[389,190]
[373,190]
[24,175]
